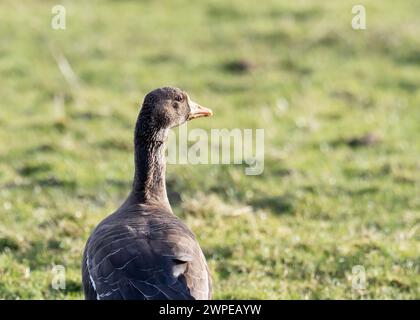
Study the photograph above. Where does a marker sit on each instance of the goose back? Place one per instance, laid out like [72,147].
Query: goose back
[151,255]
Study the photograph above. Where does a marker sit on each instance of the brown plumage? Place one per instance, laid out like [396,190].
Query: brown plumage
[142,250]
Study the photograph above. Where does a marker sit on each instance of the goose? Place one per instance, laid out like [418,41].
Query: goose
[143,251]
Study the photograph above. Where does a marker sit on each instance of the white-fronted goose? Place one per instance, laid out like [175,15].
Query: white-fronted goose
[143,251]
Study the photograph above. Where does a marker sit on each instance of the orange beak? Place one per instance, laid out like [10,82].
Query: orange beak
[198,111]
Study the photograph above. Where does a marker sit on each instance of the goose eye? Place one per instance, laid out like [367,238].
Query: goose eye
[179,98]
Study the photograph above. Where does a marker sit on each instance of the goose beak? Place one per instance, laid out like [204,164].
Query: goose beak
[197,111]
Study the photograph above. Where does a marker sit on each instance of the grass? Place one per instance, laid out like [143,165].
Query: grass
[340,109]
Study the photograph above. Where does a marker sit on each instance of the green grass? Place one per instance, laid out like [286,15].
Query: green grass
[328,199]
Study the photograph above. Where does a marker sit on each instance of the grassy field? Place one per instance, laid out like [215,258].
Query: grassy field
[340,109]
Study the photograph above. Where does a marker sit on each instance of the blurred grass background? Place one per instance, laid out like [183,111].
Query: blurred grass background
[341,114]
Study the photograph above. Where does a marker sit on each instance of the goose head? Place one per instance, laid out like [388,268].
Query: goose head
[169,107]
